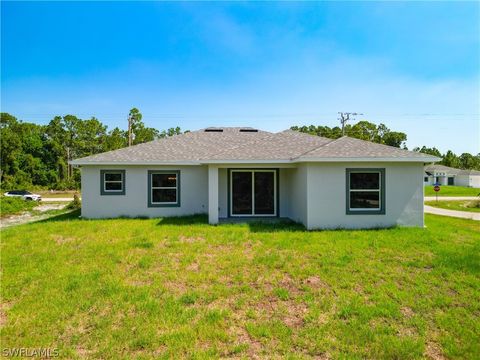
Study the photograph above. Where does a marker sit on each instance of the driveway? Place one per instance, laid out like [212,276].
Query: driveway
[56,199]
[452,213]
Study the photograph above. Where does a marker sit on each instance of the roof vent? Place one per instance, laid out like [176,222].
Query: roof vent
[248,130]
[213,130]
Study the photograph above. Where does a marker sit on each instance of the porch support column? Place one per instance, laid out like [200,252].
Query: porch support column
[212,194]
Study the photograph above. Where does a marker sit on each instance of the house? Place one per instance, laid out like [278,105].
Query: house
[444,175]
[240,173]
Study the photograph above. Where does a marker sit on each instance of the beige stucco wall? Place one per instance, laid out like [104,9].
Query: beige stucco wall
[193,200]
[327,196]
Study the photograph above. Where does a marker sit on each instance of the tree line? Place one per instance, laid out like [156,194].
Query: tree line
[381,134]
[34,155]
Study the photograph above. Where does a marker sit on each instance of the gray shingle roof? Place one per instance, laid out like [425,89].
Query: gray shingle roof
[449,170]
[245,144]
[347,147]
[441,168]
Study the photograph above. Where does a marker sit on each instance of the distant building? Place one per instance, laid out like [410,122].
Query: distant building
[444,175]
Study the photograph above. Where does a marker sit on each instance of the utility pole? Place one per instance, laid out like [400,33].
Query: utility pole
[130,130]
[344,117]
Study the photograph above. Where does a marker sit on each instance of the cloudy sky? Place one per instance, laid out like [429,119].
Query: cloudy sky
[411,66]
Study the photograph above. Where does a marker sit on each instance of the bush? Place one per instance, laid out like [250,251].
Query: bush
[14,205]
[74,204]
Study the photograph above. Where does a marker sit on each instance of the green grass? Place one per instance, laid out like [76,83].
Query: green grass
[12,205]
[176,288]
[458,205]
[452,191]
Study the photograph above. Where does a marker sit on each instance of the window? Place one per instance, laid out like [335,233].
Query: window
[163,188]
[253,192]
[425,179]
[365,191]
[112,182]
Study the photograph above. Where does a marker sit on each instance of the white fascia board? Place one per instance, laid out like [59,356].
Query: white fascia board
[132,163]
[287,161]
[366,159]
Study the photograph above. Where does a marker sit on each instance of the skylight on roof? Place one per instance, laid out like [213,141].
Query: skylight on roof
[213,130]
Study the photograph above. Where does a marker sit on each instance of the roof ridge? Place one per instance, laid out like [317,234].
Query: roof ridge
[264,133]
[318,147]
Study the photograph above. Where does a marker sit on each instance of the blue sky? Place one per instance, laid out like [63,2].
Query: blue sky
[412,66]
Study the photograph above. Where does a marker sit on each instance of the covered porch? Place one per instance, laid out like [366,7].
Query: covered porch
[247,192]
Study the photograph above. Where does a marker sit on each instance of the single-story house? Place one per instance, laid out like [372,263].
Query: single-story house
[232,172]
[444,175]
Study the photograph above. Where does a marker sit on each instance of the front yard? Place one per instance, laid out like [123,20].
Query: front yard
[134,288]
[452,191]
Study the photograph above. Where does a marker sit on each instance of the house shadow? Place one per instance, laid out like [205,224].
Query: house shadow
[268,225]
[71,215]
[275,226]
[198,219]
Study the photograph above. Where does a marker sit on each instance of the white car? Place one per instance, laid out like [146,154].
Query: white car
[26,195]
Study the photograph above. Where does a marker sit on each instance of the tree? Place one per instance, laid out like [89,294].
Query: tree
[134,120]
[450,159]
[469,161]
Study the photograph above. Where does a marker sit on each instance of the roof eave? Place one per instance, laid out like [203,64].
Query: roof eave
[79,162]
[367,159]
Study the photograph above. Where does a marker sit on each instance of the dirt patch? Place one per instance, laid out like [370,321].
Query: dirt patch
[434,351]
[194,266]
[295,316]
[314,282]
[289,284]
[242,337]
[407,331]
[191,240]
[407,312]
[59,239]
[4,307]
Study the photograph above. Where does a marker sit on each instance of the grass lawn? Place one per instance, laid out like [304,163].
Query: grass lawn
[452,191]
[171,288]
[458,205]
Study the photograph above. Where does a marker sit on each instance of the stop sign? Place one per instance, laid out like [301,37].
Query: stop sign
[436,188]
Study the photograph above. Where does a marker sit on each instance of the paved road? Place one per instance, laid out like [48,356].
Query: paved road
[447,198]
[452,213]
[57,199]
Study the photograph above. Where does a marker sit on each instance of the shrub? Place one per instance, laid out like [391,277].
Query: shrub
[74,204]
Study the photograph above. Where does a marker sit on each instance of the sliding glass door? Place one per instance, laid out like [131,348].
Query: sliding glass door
[253,192]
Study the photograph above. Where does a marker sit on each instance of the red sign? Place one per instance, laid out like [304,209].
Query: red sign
[436,188]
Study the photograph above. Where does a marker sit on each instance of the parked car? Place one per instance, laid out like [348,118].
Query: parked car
[26,195]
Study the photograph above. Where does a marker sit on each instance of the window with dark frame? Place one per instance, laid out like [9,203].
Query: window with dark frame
[365,191]
[112,182]
[164,188]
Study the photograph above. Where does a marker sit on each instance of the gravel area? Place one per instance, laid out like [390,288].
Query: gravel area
[28,216]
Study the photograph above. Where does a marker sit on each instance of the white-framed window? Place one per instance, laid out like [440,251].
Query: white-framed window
[112,182]
[365,191]
[164,188]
